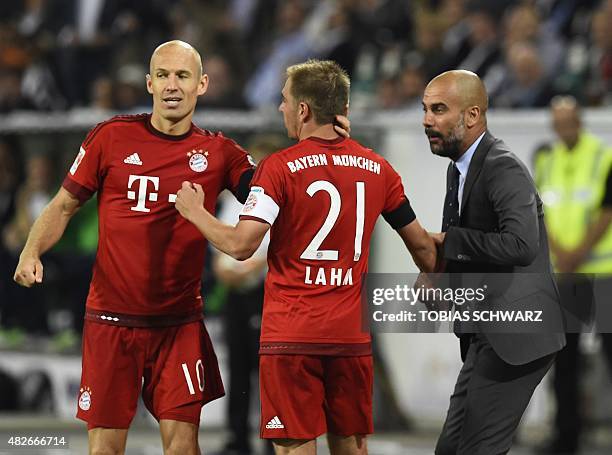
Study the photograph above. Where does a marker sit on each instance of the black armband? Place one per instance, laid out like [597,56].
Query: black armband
[244,185]
[401,216]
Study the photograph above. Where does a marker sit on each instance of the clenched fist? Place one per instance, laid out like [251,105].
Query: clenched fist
[190,200]
[29,271]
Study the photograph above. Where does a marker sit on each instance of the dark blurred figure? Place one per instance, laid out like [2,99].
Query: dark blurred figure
[8,189]
[523,24]
[587,72]
[27,310]
[525,84]
[223,91]
[473,44]
[575,182]
[129,92]
[102,94]
[242,314]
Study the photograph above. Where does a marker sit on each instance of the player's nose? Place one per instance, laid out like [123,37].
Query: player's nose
[172,82]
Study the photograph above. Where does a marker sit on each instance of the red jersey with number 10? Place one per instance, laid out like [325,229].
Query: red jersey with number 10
[322,199]
[150,259]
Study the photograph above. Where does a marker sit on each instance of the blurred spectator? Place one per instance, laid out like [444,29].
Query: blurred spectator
[32,197]
[473,43]
[575,180]
[430,29]
[411,87]
[403,91]
[129,88]
[23,310]
[386,94]
[289,46]
[102,94]
[80,30]
[588,67]
[523,24]
[525,85]
[223,91]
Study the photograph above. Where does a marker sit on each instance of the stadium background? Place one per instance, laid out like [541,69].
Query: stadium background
[67,64]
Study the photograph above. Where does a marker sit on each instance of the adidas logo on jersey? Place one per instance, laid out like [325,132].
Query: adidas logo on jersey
[133,159]
[274,424]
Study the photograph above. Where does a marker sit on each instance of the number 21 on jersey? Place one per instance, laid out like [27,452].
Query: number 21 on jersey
[312,250]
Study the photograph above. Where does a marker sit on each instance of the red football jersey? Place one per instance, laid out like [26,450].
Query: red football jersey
[150,259]
[322,199]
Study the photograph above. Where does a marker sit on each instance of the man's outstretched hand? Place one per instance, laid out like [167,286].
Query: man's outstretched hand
[190,200]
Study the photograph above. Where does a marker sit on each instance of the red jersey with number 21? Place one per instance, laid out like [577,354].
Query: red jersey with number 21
[322,199]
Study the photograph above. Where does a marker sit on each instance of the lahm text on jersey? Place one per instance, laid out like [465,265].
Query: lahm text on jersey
[322,276]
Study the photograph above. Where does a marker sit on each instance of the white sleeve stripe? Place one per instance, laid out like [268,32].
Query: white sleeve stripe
[260,205]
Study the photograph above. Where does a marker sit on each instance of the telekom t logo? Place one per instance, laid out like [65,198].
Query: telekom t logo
[142,191]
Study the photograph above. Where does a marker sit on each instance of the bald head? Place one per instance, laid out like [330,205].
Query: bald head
[566,119]
[455,105]
[465,86]
[176,46]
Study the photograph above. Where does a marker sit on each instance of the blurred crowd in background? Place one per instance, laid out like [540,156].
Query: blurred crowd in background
[61,54]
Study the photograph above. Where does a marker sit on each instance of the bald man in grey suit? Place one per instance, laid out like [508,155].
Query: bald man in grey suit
[492,223]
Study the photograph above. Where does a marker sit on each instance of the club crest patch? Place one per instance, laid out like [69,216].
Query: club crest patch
[85,398]
[198,161]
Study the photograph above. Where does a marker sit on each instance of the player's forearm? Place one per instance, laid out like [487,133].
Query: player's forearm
[223,237]
[47,229]
[424,257]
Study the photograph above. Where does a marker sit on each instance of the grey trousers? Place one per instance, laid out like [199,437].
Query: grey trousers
[488,402]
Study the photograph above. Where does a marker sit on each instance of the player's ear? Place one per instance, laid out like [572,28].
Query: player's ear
[203,84]
[149,84]
[304,111]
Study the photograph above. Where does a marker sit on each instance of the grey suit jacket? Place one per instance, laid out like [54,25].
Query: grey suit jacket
[501,231]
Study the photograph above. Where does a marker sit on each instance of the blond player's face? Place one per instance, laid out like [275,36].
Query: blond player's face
[175,83]
[289,109]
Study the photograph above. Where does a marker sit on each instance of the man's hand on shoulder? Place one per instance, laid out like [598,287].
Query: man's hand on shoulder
[190,200]
[342,125]
[29,271]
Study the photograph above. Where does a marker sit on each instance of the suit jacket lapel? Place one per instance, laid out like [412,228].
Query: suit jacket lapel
[475,167]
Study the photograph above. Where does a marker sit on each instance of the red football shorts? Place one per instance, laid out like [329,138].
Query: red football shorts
[175,368]
[305,396]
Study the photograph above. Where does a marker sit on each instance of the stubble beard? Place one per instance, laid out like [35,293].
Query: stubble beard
[451,144]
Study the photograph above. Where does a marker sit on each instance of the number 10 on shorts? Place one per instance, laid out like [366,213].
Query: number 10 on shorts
[199,369]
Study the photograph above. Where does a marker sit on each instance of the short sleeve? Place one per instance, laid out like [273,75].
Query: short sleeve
[240,169]
[397,210]
[84,176]
[267,192]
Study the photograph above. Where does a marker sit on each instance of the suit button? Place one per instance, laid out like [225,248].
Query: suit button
[460,256]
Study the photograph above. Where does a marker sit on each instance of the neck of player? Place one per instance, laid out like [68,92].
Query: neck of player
[171,127]
[321,131]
